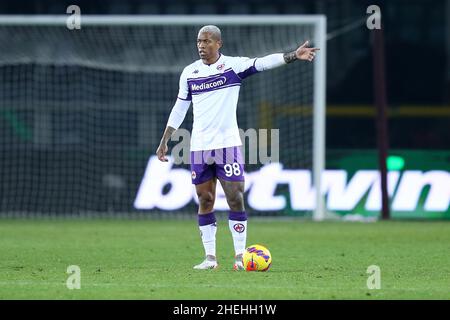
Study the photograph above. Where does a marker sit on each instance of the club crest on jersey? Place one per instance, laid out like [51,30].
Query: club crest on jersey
[239,227]
[220,66]
[193,175]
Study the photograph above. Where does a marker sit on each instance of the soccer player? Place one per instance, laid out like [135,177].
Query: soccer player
[212,83]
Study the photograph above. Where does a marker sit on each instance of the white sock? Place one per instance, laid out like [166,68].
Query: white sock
[239,232]
[208,234]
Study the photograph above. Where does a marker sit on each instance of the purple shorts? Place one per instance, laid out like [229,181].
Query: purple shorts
[226,164]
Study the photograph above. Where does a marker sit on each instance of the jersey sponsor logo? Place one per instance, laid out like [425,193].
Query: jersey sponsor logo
[211,84]
[227,78]
[239,227]
[195,71]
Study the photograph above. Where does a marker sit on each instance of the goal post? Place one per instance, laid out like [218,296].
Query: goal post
[101,95]
[319,144]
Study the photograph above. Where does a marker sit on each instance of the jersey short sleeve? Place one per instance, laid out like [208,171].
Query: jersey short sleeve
[184,93]
[244,66]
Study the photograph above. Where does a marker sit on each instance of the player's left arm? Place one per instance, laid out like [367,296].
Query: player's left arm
[303,52]
[246,67]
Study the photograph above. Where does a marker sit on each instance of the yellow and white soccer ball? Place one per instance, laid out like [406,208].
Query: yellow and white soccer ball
[257,258]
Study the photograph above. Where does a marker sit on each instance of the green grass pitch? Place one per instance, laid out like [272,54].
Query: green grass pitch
[153,259]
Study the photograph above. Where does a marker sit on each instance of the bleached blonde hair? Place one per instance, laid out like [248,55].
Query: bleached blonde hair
[213,30]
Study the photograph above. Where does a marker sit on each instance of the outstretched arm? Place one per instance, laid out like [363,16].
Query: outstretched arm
[302,53]
[278,59]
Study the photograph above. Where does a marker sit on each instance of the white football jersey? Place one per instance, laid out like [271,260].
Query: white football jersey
[214,91]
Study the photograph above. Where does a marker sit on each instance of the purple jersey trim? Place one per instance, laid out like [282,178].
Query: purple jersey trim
[188,98]
[222,87]
[248,72]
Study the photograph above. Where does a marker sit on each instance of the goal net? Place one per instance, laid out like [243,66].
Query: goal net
[82,112]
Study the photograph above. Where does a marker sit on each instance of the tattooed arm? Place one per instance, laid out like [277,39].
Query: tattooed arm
[302,53]
[278,59]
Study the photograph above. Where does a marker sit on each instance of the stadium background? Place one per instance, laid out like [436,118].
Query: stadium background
[417,49]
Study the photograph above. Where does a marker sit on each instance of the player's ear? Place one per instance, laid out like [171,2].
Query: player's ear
[219,43]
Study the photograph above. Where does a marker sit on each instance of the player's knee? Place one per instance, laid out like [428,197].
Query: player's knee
[206,199]
[236,202]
